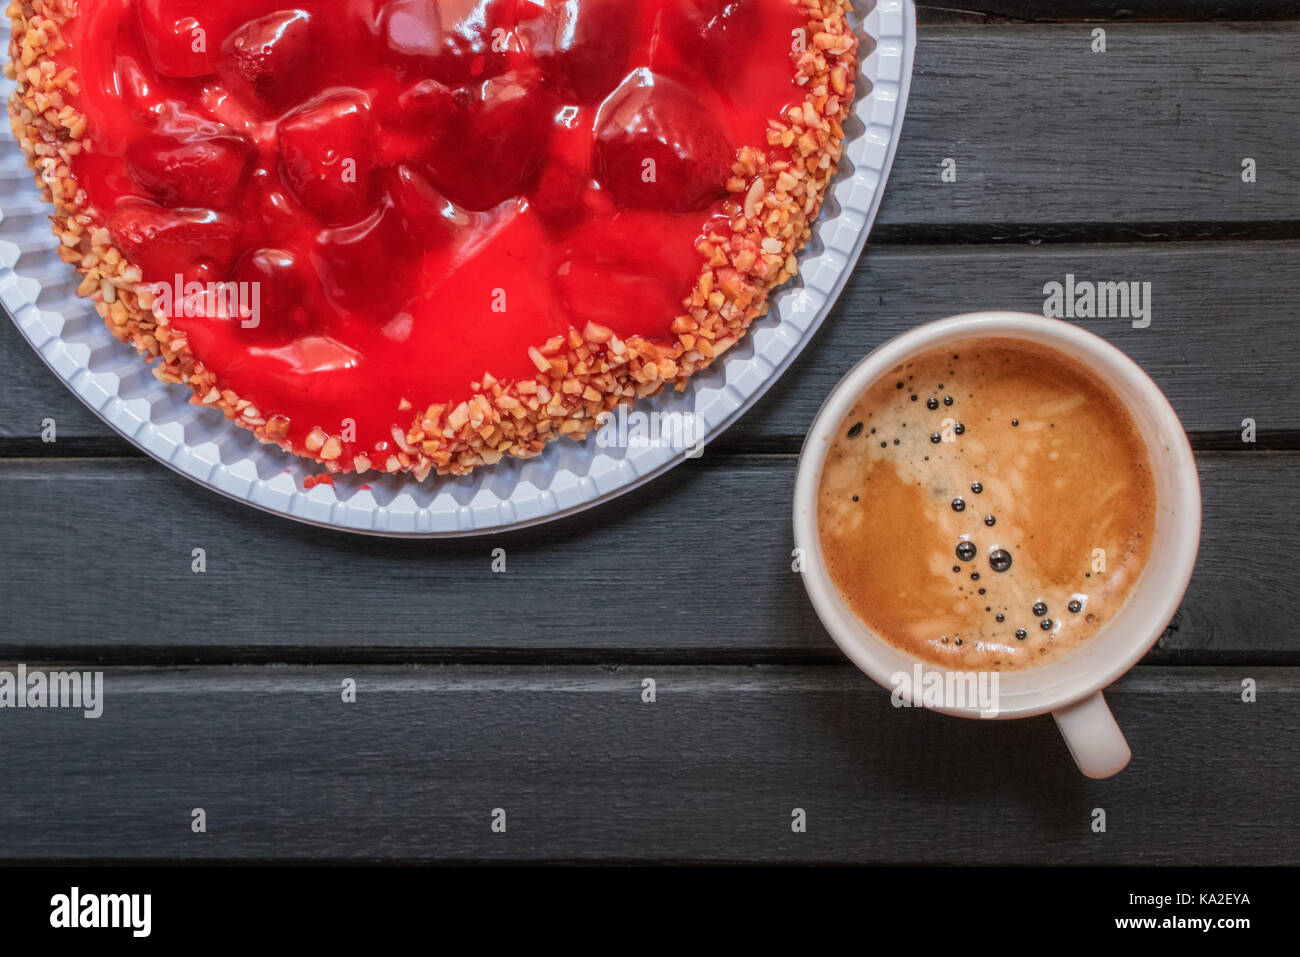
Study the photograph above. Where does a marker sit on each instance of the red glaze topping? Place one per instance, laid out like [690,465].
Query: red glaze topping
[419,189]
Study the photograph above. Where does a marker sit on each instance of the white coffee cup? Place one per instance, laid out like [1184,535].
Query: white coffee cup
[1069,687]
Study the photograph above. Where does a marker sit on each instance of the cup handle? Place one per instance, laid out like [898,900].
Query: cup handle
[1095,741]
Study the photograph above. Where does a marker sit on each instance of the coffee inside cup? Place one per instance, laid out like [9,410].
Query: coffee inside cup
[988,505]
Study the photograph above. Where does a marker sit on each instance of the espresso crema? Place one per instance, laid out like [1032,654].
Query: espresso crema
[987,506]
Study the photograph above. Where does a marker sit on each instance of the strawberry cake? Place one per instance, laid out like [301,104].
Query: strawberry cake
[421,235]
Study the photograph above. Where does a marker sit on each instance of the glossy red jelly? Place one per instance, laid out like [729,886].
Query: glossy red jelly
[422,189]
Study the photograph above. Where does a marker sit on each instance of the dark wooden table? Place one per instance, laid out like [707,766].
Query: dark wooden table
[522,691]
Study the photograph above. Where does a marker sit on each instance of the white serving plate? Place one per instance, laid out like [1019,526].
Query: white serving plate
[37,290]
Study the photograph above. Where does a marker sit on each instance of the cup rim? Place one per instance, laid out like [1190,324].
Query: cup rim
[862,645]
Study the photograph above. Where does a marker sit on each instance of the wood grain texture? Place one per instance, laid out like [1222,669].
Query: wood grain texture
[32,393]
[1049,136]
[969,11]
[1221,341]
[1216,307]
[95,560]
[585,770]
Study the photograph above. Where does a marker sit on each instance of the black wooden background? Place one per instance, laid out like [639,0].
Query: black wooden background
[522,691]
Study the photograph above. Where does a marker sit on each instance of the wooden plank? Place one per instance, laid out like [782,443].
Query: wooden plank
[1222,340]
[33,394]
[1049,137]
[95,560]
[971,11]
[584,769]
[1215,307]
